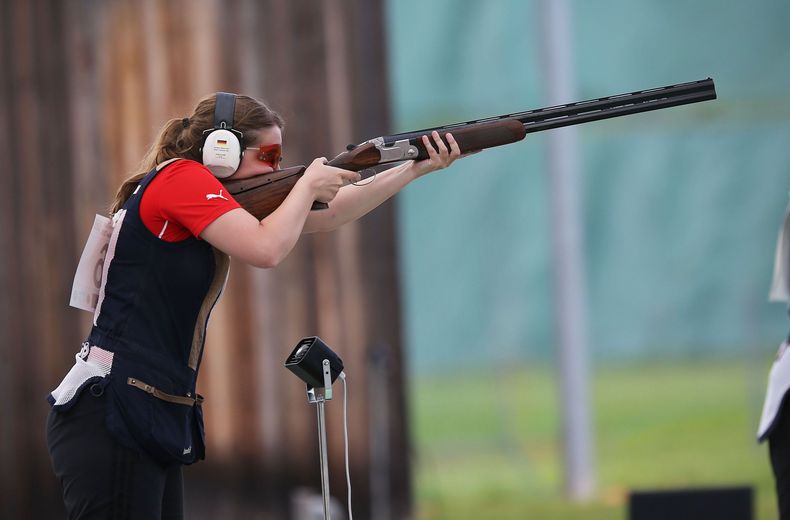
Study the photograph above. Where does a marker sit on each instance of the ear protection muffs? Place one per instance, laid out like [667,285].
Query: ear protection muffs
[221,148]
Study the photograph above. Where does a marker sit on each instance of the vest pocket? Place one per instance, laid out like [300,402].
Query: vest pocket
[170,433]
[173,428]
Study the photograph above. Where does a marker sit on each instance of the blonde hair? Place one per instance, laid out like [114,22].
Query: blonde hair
[182,138]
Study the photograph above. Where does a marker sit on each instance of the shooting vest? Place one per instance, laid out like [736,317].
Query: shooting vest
[146,344]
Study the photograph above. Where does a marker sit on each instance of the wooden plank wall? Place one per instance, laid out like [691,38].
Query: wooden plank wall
[85,86]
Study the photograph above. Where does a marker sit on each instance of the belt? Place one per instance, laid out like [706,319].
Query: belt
[178,399]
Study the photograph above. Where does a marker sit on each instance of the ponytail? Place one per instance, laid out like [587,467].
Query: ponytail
[182,138]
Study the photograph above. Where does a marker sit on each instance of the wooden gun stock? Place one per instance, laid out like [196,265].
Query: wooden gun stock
[262,194]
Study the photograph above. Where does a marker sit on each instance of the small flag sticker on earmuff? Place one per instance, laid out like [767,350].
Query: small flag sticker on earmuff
[222,142]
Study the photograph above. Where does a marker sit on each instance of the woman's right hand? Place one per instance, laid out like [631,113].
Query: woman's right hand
[325,181]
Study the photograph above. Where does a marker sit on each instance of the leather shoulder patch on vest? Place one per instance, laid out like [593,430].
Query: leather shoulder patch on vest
[222,263]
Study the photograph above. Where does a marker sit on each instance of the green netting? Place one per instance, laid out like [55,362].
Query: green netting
[681,207]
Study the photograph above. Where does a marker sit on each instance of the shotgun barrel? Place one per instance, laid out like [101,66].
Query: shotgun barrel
[586,111]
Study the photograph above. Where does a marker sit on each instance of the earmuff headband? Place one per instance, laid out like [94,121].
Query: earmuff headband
[224,110]
[222,148]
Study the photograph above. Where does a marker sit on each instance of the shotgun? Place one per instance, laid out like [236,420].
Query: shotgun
[262,194]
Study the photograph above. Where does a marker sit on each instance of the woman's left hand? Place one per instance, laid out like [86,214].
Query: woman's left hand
[439,156]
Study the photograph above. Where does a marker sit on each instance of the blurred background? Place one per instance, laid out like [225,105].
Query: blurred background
[494,370]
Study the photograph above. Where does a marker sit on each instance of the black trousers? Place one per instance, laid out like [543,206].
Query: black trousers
[102,479]
[779,449]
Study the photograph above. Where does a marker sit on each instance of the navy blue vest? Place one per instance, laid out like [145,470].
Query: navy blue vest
[157,299]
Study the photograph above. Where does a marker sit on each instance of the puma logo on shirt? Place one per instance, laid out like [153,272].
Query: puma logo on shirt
[219,195]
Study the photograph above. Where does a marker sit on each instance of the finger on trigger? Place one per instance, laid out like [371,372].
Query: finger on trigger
[351,176]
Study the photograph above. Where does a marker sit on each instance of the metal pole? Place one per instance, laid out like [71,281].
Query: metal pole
[324,457]
[567,248]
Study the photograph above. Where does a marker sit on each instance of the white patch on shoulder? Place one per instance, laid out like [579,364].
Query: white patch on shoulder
[219,195]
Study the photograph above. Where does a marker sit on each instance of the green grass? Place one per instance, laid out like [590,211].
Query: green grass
[488,447]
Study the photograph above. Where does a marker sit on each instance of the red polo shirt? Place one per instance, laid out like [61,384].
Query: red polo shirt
[182,200]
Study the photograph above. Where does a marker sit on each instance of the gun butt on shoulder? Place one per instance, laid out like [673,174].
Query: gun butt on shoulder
[262,194]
